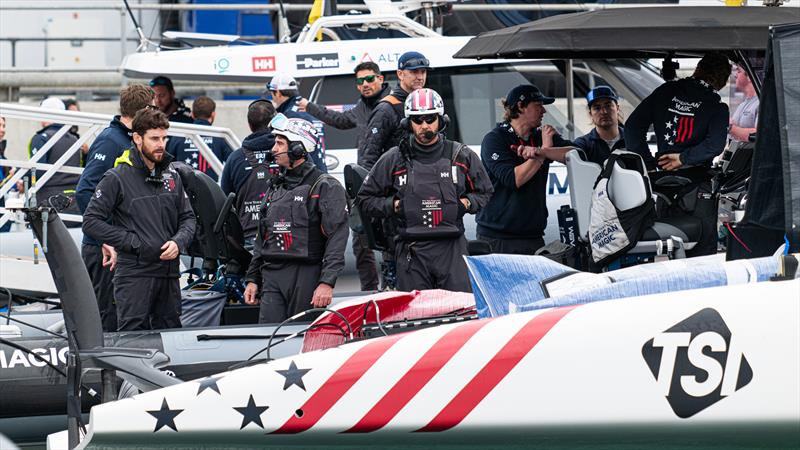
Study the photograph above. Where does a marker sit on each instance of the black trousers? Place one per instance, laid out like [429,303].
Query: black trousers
[365,263]
[147,303]
[514,246]
[432,265]
[287,290]
[102,282]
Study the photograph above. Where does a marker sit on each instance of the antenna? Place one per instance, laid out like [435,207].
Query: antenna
[143,41]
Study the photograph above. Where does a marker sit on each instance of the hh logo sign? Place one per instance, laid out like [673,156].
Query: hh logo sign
[263,63]
[697,363]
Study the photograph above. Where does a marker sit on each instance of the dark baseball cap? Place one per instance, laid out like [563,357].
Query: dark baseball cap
[601,92]
[413,60]
[161,80]
[527,93]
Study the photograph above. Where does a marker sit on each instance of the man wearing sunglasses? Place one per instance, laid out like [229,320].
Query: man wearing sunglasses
[607,134]
[302,229]
[370,85]
[425,186]
[284,93]
[167,102]
[382,131]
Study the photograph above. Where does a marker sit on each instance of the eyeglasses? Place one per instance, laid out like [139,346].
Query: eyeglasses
[368,79]
[428,118]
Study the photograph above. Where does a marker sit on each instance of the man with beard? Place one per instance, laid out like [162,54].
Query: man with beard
[140,209]
[426,186]
[517,155]
[167,102]
[370,85]
[247,171]
[302,230]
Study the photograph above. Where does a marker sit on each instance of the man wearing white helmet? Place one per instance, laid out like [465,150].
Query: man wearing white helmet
[302,229]
[425,186]
[284,93]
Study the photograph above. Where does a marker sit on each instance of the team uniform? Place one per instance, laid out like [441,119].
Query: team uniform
[184,150]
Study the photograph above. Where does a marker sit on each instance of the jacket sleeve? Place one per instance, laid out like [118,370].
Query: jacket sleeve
[636,131]
[714,142]
[479,187]
[97,217]
[498,160]
[226,179]
[375,198]
[340,120]
[186,222]
[99,160]
[378,130]
[334,216]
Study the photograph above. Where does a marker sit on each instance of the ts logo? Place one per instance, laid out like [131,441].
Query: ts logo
[697,363]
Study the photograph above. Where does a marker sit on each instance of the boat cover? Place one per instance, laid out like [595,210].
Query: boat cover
[391,306]
[505,284]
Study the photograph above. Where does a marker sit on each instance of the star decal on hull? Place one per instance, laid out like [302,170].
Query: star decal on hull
[251,413]
[165,417]
[294,376]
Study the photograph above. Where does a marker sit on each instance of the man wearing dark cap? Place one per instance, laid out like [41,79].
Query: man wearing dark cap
[607,134]
[517,155]
[165,99]
[382,131]
[691,126]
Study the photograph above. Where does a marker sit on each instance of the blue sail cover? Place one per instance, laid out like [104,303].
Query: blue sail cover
[505,284]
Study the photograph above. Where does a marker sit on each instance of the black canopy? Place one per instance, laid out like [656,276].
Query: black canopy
[633,33]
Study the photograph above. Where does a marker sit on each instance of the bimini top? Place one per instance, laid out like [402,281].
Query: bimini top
[633,33]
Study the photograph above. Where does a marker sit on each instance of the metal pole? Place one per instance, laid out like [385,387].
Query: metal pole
[123,31]
[570,103]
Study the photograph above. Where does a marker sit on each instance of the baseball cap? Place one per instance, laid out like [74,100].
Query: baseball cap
[413,60]
[53,103]
[161,80]
[282,82]
[527,93]
[601,92]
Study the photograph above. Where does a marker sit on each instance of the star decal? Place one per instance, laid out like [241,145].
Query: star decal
[675,119]
[208,383]
[188,160]
[666,136]
[669,124]
[165,417]
[294,376]
[251,413]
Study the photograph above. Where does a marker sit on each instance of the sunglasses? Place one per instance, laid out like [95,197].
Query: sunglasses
[421,63]
[368,79]
[428,118]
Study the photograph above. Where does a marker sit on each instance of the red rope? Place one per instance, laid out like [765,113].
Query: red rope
[728,225]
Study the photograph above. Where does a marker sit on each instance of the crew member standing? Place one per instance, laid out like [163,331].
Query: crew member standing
[302,232]
[106,148]
[167,102]
[204,112]
[286,97]
[517,155]
[247,171]
[369,83]
[426,185]
[141,209]
[691,126]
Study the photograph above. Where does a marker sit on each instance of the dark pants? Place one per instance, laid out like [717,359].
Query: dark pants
[147,303]
[514,246]
[365,263]
[287,290]
[706,210]
[432,265]
[102,281]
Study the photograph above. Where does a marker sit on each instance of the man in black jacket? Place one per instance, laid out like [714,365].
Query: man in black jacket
[140,209]
[369,83]
[691,126]
[106,148]
[167,102]
[607,134]
[426,185]
[517,155]
[302,230]
[247,171]
[382,131]
[204,112]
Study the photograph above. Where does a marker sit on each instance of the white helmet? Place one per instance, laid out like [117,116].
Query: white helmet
[422,102]
[295,130]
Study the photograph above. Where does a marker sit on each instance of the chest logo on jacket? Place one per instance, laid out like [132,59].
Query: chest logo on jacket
[681,126]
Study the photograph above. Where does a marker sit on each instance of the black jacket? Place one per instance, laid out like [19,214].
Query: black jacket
[355,117]
[386,181]
[688,118]
[596,148]
[383,129]
[136,212]
[183,150]
[330,211]
[59,181]
[289,109]
[513,213]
